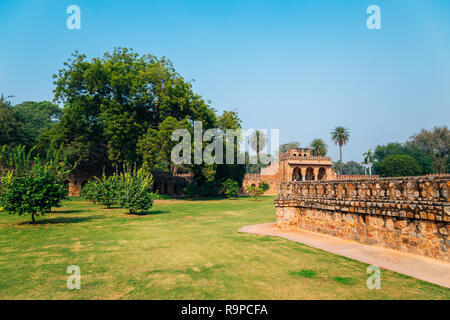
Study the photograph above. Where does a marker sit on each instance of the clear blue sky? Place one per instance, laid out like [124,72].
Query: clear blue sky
[300,66]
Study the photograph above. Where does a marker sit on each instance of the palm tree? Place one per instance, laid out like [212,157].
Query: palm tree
[368,159]
[340,136]
[318,148]
[257,142]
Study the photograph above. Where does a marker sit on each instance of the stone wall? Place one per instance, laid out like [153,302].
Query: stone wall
[410,214]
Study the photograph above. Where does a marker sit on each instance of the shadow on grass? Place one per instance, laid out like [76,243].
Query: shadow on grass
[148,213]
[69,211]
[61,220]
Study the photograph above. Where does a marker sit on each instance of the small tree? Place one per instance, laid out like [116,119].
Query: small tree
[230,188]
[257,191]
[136,190]
[31,185]
[106,191]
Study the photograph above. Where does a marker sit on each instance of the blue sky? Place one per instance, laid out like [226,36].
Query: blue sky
[303,67]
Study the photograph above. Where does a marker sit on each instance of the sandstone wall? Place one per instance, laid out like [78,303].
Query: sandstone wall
[410,214]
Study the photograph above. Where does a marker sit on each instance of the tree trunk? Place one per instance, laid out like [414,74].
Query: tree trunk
[340,157]
[370,169]
[258,169]
[33,217]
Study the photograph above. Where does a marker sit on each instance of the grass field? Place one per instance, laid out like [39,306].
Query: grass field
[179,250]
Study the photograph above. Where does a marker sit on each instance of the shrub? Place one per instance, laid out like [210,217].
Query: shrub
[190,190]
[399,166]
[31,185]
[136,190]
[107,190]
[264,186]
[230,188]
[257,191]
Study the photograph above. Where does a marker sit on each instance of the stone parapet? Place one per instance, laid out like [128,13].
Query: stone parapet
[410,214]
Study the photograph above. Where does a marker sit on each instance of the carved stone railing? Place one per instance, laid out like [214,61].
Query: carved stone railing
[411,214]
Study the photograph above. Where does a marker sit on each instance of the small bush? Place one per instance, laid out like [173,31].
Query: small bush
[136,191]
[257,191]
[230,188]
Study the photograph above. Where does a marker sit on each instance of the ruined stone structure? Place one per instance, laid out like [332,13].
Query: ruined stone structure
[410,214]
[296,164]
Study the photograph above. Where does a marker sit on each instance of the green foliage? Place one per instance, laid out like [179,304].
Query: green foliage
[285,146]
[351,167]
[31,185]
[435,143]
[424,160]
[319,148]
[136,190]
[399,166]
[263,186]
[107,190]
[230,188]
[111,101]
[257,191]
[155,147]
[130,190]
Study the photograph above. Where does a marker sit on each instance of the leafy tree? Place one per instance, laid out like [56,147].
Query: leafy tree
[32,185]
[37,117]
[257,142]
[424,160]
[352,168]
[155,147]
[12,128]
[230,188]
[399,166]
[111,101]
[340,136]
[136,190]
[436,143]
[106,191]
[285,146]
[319,148]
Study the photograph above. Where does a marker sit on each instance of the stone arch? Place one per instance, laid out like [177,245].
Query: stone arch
[297,174]
[322,174]
[309,174]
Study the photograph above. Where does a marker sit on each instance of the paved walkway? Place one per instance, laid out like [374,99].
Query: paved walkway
[412,265]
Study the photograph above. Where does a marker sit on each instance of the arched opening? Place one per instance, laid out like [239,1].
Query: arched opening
[175,188]
[165,188]
[322,174]
[309,174]
[295,154]
[297,174]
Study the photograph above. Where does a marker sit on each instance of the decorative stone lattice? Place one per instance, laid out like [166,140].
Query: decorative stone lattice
[410,214]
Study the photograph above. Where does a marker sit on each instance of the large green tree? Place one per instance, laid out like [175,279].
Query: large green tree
[399,165]
[424,160]
[436,143]
[111,101]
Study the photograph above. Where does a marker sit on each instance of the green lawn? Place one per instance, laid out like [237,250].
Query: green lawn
[179,250]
